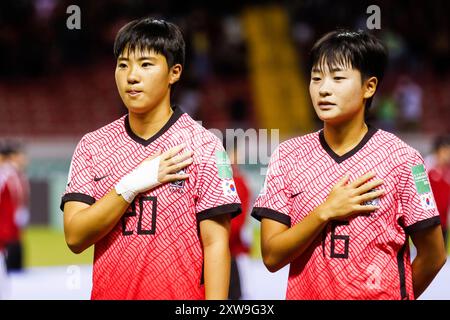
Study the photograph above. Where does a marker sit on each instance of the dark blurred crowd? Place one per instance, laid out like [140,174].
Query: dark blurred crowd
[415,94]
[35,43]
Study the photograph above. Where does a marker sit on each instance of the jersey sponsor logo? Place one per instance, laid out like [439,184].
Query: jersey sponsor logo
[223,165]
[96,179]
[296,194]
[228,187]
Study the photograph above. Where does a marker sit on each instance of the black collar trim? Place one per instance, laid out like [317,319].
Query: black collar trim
[177,113]
[340,159]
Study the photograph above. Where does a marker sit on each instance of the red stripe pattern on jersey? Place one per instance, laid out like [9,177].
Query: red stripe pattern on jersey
[366,257]
[154,252]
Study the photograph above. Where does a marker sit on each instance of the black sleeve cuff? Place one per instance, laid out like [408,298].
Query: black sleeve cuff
[80,197]
[233,208]
[258,213]
[424,224]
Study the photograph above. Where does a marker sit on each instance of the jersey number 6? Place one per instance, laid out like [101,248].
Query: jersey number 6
[334,238]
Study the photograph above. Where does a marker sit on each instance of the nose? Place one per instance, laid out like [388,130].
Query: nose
[324,89]
[132,76]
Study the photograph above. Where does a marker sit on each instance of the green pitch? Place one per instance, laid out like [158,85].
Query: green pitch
[44,246]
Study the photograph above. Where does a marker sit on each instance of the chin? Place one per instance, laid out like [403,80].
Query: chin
[331,119]
[327,116]
[137,109]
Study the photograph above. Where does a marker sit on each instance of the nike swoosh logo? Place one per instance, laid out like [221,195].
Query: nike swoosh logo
[96,179]
[296,194]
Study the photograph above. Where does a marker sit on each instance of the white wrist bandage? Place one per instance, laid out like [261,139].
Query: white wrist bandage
[141,179]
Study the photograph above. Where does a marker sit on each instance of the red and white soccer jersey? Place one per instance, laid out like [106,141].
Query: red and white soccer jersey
[154,252]
[10,189]
[367,256]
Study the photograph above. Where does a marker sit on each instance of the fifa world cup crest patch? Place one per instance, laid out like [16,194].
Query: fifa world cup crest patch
[423,187]
[223,163]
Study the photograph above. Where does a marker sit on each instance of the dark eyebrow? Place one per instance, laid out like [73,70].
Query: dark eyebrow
[146,58]
[139,59]
[336,69]
[332,70]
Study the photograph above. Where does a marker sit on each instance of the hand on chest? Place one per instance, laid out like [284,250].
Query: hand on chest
[308,190]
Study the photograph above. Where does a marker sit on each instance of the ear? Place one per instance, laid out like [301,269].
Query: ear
[175,73]
[370,86]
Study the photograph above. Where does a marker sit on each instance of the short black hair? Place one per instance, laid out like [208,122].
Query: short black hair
[156,35]
[9,147]
[359,50]
[441,141]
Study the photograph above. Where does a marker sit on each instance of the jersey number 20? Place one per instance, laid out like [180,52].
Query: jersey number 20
[147,205]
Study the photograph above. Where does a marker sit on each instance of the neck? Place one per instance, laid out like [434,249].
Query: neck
[147,124]
[344,137]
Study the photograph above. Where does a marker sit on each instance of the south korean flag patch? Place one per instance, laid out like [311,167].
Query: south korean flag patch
[427,201]
[229,187]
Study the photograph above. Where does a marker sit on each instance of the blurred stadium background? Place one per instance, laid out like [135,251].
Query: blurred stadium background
[245,69]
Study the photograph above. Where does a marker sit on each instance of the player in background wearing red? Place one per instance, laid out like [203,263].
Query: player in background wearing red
[7,209]
[14,193]
[340,204]
[440,180]
[159,218]
[237,245]
[18,191]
